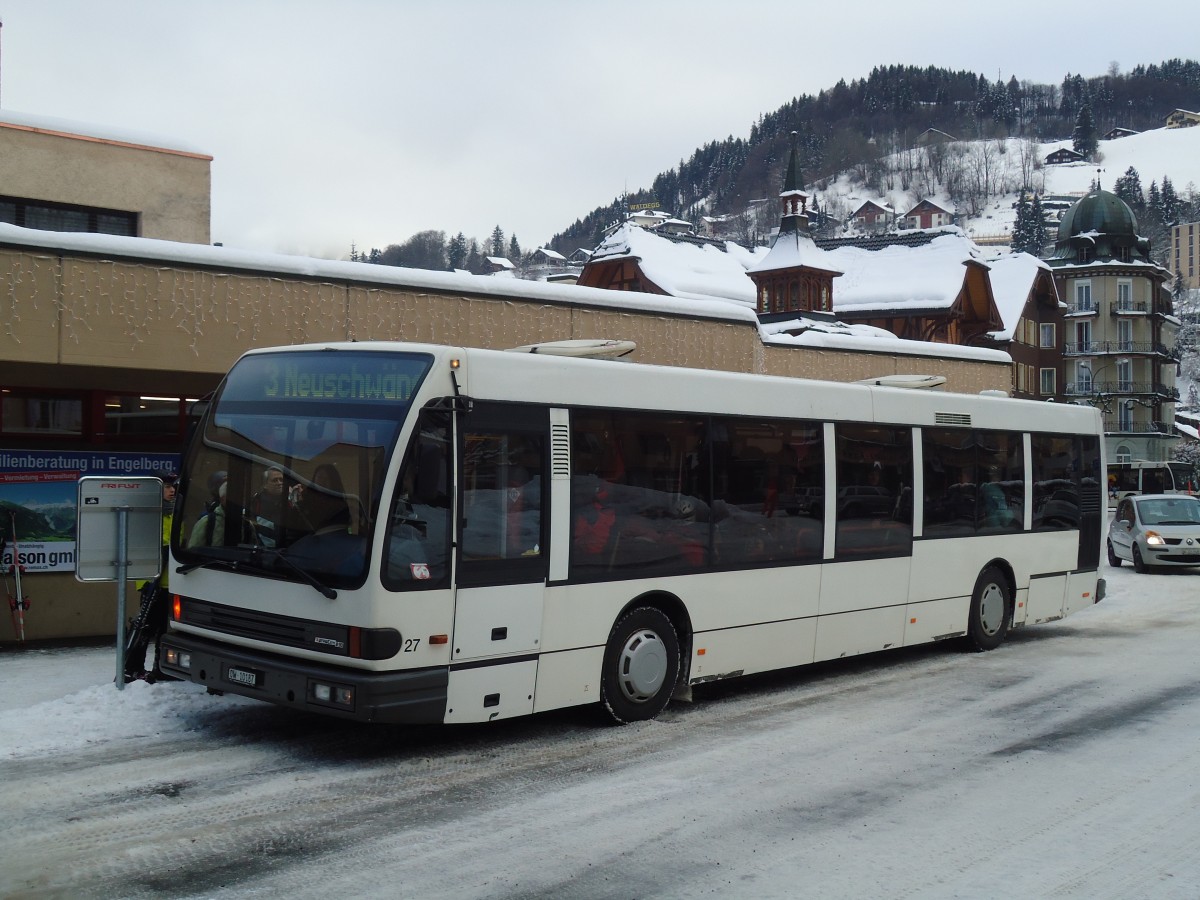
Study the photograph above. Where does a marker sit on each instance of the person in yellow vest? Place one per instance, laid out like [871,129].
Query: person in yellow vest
[151,620]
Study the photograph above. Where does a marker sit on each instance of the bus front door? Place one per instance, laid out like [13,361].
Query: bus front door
[502,562]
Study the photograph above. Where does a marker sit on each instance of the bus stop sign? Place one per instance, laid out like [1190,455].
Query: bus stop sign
[105,503]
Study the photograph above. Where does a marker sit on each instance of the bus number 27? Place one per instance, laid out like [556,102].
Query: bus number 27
[411,644]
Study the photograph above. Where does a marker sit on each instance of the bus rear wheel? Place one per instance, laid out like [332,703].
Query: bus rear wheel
[641,665]
[991,610]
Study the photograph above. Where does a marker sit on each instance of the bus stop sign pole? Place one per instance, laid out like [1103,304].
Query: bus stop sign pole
[119,539]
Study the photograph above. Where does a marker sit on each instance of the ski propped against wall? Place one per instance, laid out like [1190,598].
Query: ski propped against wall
[18,602]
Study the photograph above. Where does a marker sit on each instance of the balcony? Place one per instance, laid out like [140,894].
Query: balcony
[1121,388]
[1100,348]
[1114,426]
[1082,309]
[1128,308]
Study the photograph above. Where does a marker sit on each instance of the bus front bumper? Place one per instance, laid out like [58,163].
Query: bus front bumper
[409,697]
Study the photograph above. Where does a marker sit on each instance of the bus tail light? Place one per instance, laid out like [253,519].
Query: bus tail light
[355,650]
[176,607]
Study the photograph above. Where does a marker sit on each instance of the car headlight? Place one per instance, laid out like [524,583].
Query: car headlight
[1154,539]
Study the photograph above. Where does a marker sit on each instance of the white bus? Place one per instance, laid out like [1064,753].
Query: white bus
[417,533]
[1144,477]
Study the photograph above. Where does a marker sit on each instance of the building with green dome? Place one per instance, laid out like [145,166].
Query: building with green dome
[1120,327]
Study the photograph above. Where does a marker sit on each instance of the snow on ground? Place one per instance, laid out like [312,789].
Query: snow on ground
[1062,764]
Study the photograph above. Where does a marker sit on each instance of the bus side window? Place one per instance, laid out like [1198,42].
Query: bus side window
[418,538]
[874,491]
[502,495]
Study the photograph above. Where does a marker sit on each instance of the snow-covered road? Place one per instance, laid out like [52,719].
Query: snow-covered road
[1062,765]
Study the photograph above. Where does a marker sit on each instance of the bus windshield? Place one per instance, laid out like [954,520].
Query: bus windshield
[285,475]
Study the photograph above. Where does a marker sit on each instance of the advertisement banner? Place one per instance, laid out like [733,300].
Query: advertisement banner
[38,493]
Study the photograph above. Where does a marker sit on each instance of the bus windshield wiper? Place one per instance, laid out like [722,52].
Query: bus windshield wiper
[237,565]
[231,565]
[279,556]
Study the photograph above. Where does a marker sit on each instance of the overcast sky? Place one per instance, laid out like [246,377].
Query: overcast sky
[365,121]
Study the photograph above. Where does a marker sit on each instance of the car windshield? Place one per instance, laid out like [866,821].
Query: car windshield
[285,475]
[1169,511]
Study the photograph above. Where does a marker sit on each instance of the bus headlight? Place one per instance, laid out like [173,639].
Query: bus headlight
[333,694]
[178,658]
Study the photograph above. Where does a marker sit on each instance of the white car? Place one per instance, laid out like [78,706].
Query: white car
[1155,530]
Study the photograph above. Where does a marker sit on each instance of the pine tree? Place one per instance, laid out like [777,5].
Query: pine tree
[1037,220]
[514,250]
[1083,138]
[456,251]
[1129,188]
[497,242]
[1169,201]
[1154,204]
[1020,233]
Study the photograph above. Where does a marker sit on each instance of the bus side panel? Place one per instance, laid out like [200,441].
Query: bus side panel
[490,692]
[498,619]
[865,584]
[866,631]
[568,678]
[729,599]
[1081,591]
[756,648]
[1046,598]
[935,620]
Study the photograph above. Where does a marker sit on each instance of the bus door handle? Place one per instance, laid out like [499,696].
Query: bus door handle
[500,634]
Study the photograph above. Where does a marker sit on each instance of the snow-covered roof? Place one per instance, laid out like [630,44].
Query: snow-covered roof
[710,307]
[900,278]
[550,254]
[843,336]
[502,261]
[792,249]
[706,269]
[687,269]
[1013,277]
[944,205]
[87,131]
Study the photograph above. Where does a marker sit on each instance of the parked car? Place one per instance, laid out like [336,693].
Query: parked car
[807,501]
[864,501]
[1155,530]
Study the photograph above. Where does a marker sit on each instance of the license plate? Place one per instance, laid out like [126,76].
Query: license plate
[242,676]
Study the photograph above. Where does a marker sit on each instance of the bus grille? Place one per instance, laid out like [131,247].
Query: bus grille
[273,629]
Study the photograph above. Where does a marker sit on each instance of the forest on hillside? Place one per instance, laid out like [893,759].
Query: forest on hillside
[849,127]
[854,125]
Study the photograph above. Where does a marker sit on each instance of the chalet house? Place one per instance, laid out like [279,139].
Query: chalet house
[648,218]
[1182,118]
[928,214]
[1033,333]
[494,264]
[934,136]
[938,291]
[544,256]
[1116,133]
[1064,155]
[675,265]
[579,257]
[873,216]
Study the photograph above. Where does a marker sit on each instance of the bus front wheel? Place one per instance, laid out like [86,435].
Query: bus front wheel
[991,610]
[641,665]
